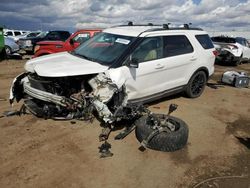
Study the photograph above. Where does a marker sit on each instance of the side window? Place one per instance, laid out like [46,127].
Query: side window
[81,37]
[96,33]
[241,41]
[151,48]
[9,33]
[205,41]
[31,35]
[17,33]
[247,44]
[176,45]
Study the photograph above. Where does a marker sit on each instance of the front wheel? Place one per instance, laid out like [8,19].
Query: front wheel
[7,50]
[238,62]
[167,141]
[196,84]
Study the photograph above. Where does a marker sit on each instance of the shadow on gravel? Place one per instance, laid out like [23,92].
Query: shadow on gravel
[241,130]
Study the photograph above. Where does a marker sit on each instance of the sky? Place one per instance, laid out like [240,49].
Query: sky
[211,15]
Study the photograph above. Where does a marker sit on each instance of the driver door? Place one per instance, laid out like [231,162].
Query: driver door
[148,78]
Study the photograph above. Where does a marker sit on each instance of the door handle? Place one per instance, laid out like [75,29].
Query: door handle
[159,66]
[193,58]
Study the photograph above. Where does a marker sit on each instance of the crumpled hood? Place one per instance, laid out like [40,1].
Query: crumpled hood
[63,64]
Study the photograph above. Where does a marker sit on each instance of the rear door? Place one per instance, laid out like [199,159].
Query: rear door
[163,65]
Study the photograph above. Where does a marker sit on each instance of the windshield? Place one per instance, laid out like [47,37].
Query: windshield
[42,34]
[104,48]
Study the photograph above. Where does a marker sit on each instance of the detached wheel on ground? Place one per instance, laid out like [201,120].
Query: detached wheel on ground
[7,50]
[196,84]
[167,141]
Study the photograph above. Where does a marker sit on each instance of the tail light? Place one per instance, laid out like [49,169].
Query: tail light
[216,53]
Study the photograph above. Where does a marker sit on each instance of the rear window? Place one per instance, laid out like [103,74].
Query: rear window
[224,39]
[205,41]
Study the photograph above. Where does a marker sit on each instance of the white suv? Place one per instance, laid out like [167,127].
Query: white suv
[232,50]
[120,66]
[13,33]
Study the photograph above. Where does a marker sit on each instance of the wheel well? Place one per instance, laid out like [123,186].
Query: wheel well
[204,69]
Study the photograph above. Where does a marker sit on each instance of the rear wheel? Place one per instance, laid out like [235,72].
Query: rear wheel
[238,62]
[196,84]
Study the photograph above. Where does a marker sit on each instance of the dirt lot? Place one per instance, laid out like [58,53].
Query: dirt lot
[45,153]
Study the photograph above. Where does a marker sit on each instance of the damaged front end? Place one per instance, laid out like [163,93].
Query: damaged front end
[72,97]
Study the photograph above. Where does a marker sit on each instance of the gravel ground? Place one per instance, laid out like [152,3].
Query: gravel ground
[45,153]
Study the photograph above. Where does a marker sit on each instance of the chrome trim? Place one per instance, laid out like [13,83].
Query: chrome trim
[43,95]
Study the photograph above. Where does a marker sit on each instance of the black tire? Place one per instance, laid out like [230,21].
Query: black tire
[164,141]
[238,62]
[196,84]
[8,50]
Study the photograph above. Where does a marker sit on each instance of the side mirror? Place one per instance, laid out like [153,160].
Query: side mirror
[71,41]
[133,63]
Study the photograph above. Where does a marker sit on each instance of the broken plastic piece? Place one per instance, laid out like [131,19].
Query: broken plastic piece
[11,113]
[15,112]
[104,134]
[125,132]
[172,108]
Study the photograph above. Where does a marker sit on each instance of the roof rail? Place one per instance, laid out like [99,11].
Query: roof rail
[161,27]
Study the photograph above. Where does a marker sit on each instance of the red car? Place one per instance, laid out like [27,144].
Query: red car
[49,47]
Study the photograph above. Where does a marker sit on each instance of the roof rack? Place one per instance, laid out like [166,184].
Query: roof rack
[162,27]
[132,24]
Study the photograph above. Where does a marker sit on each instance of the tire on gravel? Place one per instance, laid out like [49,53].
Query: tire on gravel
[163,141]
[196,84]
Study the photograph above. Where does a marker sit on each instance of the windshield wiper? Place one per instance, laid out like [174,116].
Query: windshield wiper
[80,55]
[85,57]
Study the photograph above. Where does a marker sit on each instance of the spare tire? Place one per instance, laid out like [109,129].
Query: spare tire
[164,141]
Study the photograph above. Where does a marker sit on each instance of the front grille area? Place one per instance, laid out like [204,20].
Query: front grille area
[62,86]
[51,85]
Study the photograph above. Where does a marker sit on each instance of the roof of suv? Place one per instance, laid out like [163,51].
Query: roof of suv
[136,30]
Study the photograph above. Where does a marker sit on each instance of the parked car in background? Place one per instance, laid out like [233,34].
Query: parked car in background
[13,33]
[26,35]
[77,38]
[232,50]
[28,44]
[10,46]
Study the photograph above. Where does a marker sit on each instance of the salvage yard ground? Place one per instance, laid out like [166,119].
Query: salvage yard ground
[45,153]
